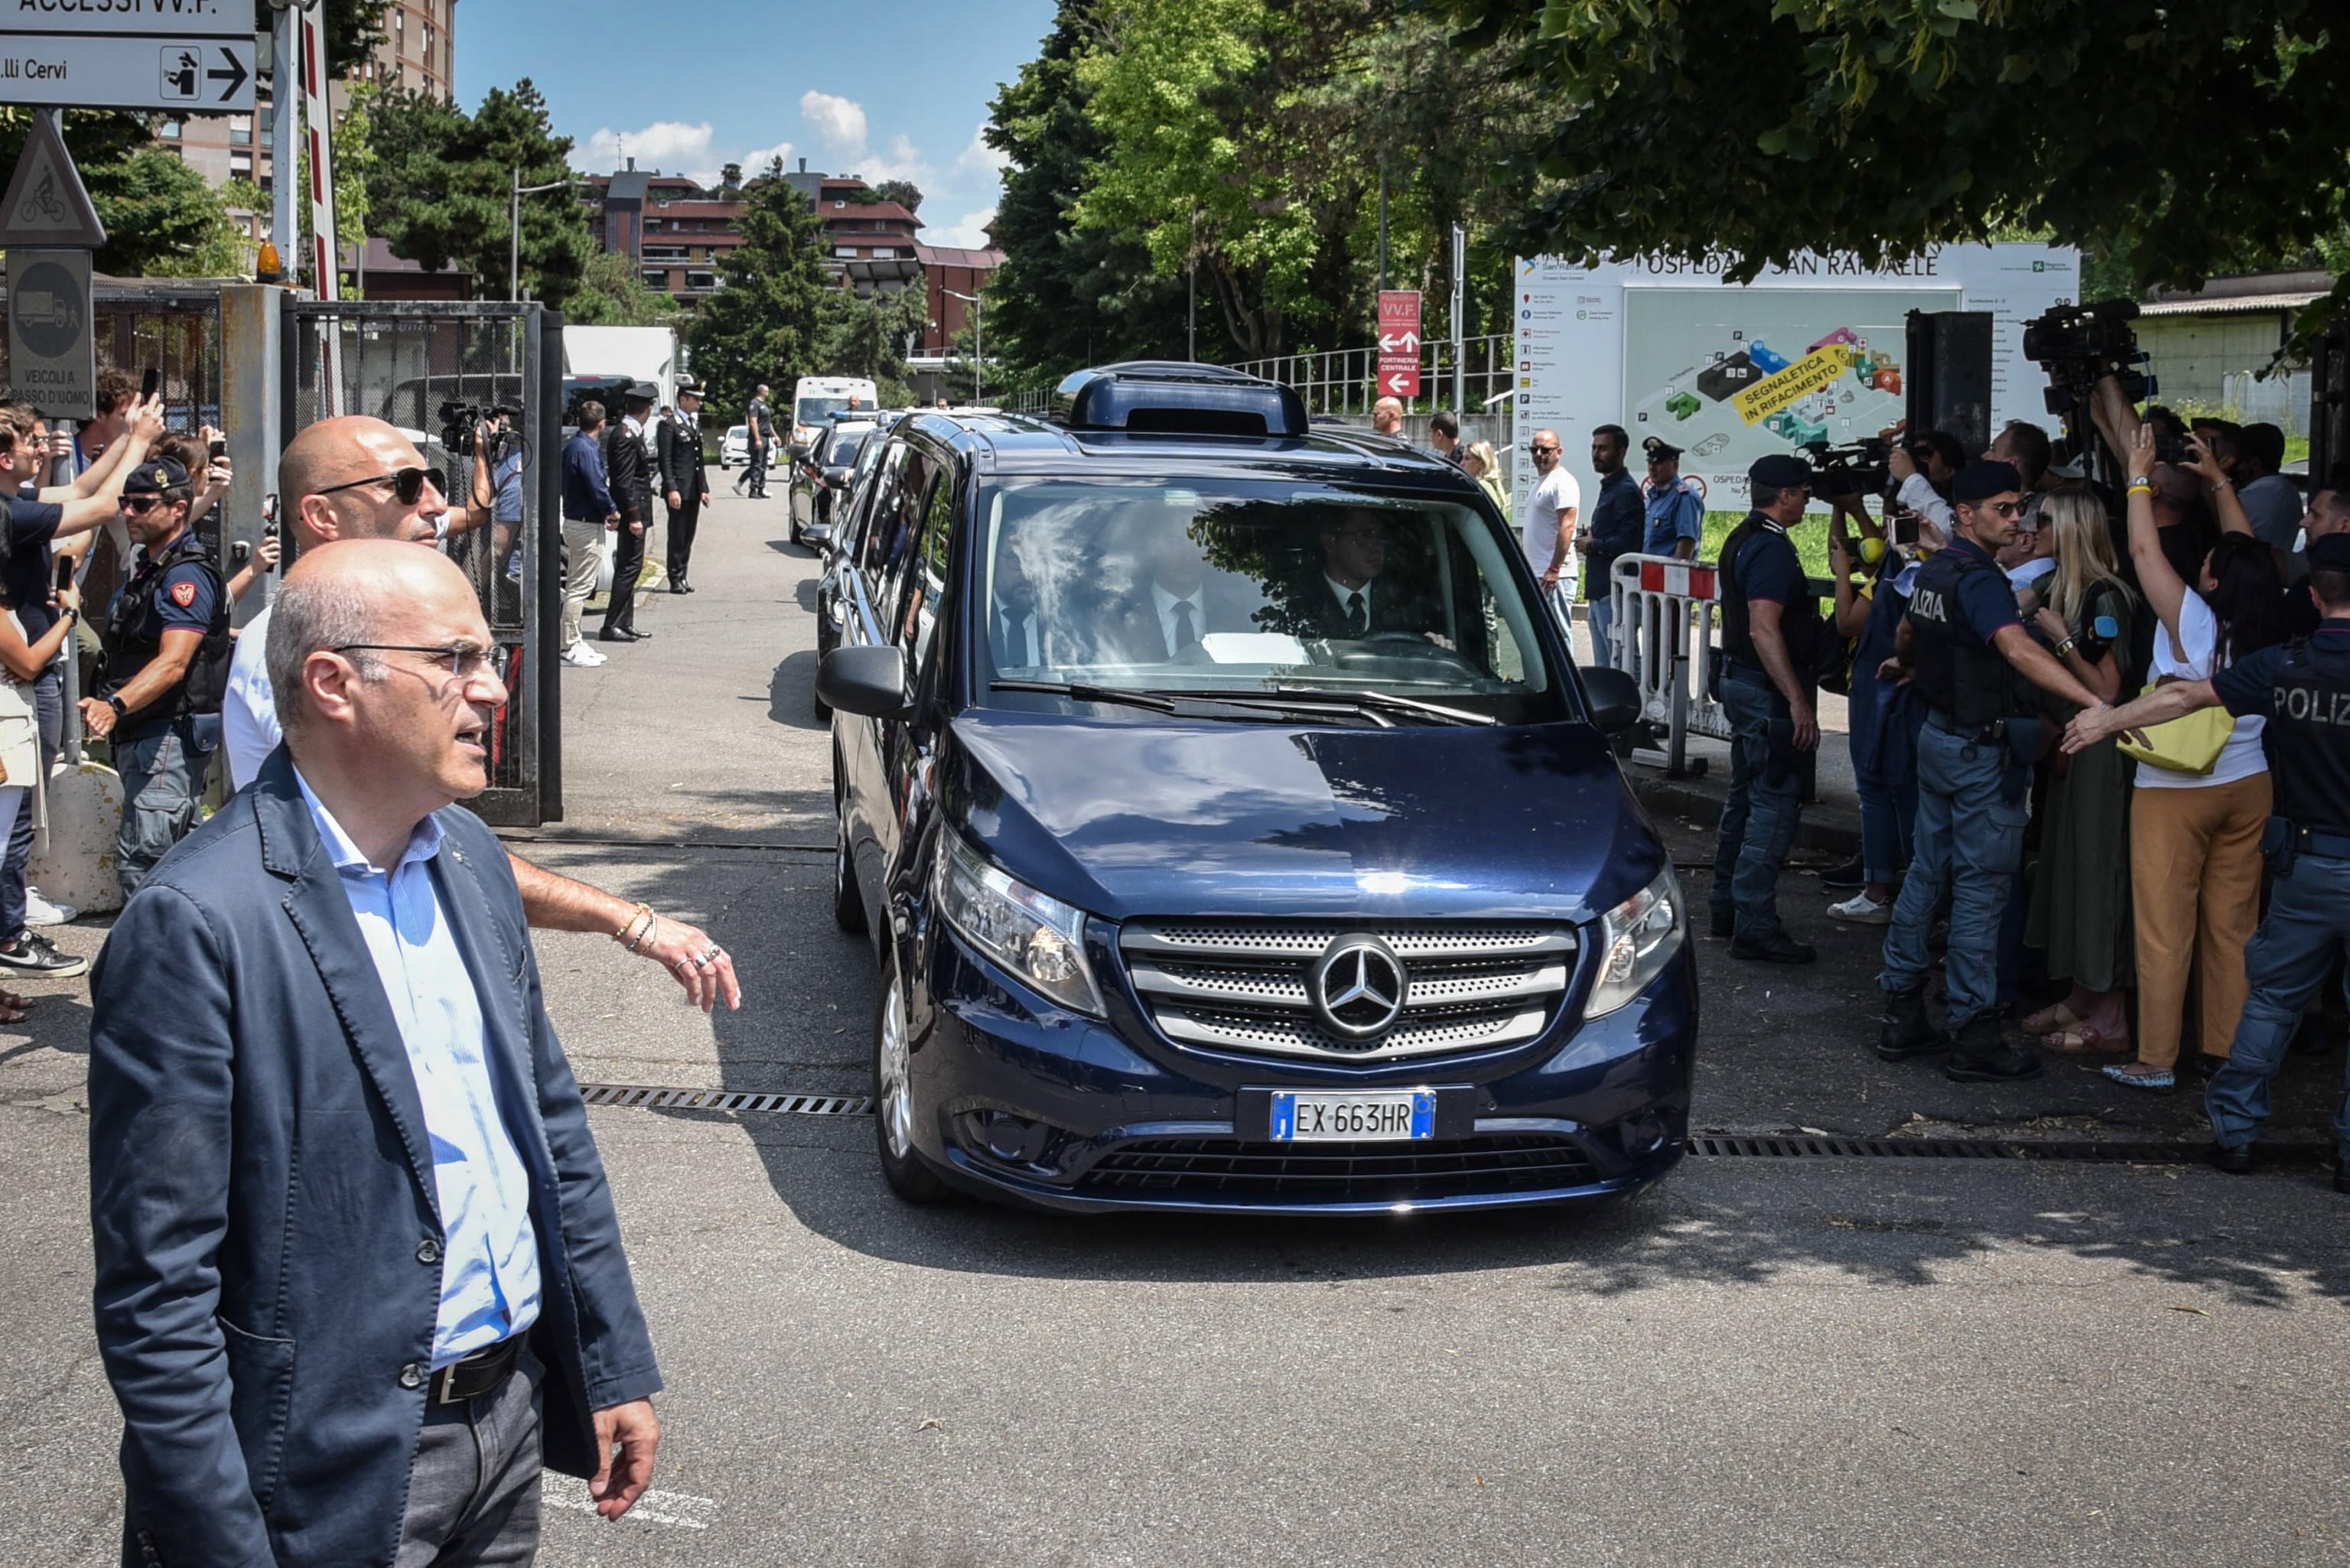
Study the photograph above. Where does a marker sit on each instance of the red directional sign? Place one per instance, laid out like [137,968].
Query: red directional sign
[1399,343]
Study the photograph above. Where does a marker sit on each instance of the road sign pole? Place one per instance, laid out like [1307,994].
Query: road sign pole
[285,138]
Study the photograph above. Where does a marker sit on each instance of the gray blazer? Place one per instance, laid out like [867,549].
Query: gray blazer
[262,1197]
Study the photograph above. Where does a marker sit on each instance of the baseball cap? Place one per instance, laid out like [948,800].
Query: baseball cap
[156,476]
[1983,479]
[1780,471]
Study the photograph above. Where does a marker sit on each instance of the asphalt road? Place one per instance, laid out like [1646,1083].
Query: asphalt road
[1797,1361]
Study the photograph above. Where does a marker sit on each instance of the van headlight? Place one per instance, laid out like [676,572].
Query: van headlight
[1637,938]
[1032,934]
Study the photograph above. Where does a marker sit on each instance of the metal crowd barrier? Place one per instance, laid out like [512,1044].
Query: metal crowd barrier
[1665,619]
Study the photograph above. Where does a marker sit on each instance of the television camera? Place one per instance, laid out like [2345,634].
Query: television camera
[2080,345]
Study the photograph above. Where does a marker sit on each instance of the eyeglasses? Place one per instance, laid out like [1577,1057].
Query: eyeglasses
[2003,508]
[139,506]
[408,483]
[464,660]
[1541,451]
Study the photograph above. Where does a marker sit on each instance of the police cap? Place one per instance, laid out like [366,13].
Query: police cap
[1660,450]
[1983,479]
[156,476]
[1780,471]
[644,392]
[2330,552]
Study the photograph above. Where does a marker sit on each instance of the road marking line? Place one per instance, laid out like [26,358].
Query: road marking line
[654,1507]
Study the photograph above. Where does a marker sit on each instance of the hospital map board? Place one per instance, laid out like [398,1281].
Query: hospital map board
[1813,351]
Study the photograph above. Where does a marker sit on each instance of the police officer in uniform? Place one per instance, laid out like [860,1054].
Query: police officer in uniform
[2302,689]
[629,466]
[1770,639]
[167,657]
[761,420]
[684,482]
[1975,666]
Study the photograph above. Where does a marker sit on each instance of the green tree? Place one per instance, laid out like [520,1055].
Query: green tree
[612,294]
[1067,296]
[905,193]
[352,29]
[867,337]
[440,190]
[762,325]
[161,220]
[730,181]
[2185,138]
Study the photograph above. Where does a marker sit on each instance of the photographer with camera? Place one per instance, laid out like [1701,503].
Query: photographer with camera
[1923,467]
[1884,719]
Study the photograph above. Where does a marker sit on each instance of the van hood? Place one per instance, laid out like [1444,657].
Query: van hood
[1187,819]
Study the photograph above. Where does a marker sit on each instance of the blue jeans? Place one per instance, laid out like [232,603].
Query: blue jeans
[1970,841]
[2286,960]
[1602,613]
[1885,776]
[163,781]
[49,713]
[1759,818]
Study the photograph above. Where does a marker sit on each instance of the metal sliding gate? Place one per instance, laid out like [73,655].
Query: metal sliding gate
[427,368]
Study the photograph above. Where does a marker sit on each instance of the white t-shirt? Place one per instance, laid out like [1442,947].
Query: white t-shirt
[249,731]
[1555,493]
[2242,757]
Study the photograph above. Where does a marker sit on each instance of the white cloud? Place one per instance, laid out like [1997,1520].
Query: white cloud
[970,234]
[903,161]
[667,144]
[980,159]
[754,163]
[838,122]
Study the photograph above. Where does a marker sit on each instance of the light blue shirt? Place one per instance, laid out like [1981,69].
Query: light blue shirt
[489,1253]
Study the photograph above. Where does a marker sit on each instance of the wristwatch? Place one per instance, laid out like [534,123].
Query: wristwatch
[114,702]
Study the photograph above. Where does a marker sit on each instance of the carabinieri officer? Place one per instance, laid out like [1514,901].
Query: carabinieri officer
[1770,642]
[167,656]
[1970,660]
[2302,689]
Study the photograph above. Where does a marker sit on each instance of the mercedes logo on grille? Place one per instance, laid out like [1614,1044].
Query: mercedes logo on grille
[1357,987]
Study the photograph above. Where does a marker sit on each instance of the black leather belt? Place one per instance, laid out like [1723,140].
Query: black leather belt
[2324,845]
[470,1377]
[1990,734]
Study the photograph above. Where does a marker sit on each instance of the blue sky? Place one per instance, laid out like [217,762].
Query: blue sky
[896,89]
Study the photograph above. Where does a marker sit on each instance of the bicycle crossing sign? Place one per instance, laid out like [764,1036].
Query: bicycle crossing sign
[46,203]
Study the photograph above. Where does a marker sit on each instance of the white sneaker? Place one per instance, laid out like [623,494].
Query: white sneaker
[579,656]
[1863,910]
[39,911]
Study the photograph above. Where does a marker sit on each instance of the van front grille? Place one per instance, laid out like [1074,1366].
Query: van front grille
[1246,986]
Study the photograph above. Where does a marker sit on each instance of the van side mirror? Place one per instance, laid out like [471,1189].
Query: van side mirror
[867,681]
[1614,699]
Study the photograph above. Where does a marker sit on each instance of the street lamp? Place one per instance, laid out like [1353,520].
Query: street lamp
[514,230]
[978,343]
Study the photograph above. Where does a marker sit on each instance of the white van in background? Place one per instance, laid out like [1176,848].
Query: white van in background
[815,399]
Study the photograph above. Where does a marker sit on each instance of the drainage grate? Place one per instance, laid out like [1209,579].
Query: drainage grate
[2166,1151]
[645,1098]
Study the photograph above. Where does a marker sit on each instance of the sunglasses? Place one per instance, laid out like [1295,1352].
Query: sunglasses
[2006,508]
[406,483]
[1541,451]
[139,506]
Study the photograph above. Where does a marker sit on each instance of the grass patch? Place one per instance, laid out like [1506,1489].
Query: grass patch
[1810,539]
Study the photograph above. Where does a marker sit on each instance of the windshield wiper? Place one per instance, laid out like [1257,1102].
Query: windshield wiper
[1388,703]
[1078,692]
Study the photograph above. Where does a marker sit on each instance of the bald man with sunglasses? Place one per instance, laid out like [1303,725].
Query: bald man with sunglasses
[358,478]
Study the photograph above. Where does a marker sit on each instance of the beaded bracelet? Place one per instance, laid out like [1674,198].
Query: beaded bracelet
[627,935]
[645,939]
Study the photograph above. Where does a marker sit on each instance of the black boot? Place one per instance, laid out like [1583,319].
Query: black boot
[1907,1031]
[1981,1055]
[1776,947]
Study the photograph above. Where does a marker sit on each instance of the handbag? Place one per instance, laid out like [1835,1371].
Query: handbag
[2190,744]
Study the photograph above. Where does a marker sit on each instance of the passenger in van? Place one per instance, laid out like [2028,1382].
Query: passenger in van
[1016,633]
[1351,596]
[1180,605]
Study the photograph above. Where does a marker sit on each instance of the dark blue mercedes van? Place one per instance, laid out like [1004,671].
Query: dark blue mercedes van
[1233,829]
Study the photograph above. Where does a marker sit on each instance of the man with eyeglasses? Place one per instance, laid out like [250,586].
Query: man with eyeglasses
[1550,527]
[1970,657]
[359,1282]
[358,478]
[166,659]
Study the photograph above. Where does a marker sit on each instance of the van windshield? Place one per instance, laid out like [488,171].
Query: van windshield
[1247,587]
[815,411]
